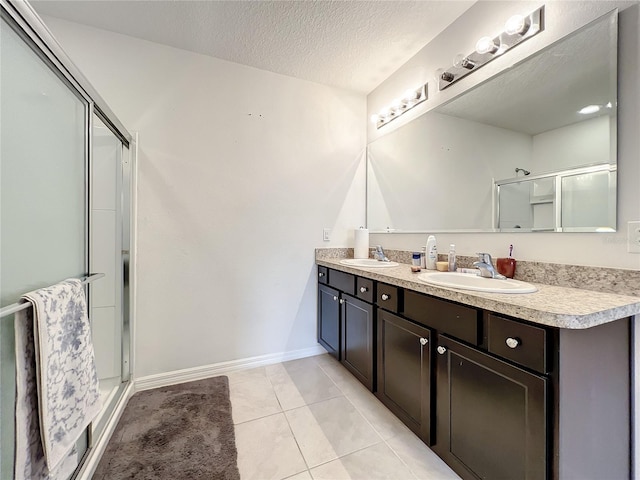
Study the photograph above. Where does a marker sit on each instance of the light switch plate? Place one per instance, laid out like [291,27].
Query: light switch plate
[633,237]
[326,234]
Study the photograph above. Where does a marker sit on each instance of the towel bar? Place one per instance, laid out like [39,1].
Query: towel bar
[16,307]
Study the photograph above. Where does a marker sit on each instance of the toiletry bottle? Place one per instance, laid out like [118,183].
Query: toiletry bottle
[423,258]
[432,253]
[452,258]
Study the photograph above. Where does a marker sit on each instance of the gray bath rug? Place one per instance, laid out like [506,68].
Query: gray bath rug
[177,432]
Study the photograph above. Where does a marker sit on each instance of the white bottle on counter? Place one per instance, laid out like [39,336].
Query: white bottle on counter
[432,253]
[452,258]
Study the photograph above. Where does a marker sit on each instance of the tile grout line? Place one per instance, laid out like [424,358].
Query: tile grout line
[371,425]
[356,409]
[289,425]
[345,395]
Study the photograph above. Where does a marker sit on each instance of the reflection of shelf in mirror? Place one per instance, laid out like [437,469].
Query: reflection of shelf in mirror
[538,201]
[543,229]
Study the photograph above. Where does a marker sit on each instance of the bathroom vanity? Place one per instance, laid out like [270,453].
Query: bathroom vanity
[530,386]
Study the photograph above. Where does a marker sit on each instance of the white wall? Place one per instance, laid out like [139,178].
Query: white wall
[580,144]
[239,171]
[414,172]
[561,18]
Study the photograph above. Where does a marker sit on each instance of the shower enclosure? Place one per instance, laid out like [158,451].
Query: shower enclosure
[66,166]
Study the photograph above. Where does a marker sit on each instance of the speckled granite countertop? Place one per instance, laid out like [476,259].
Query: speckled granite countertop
[554,306]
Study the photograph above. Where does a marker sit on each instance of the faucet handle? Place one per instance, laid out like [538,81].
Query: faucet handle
[485,258]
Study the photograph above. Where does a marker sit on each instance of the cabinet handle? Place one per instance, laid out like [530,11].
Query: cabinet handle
[321,274]
[384,296]
[341,301]
[512,342]
[364,289]
[441,350]
[335,298]
[423,341]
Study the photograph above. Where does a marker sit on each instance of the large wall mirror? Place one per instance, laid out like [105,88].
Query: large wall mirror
[531,149]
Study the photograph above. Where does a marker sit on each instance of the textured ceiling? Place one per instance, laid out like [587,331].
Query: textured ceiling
[348,44]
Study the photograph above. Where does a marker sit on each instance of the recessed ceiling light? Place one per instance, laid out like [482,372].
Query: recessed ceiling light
[589,109]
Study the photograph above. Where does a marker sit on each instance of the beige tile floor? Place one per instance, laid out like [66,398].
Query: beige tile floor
[311,419]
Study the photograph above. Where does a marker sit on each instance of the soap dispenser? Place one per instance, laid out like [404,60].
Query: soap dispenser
[432,253]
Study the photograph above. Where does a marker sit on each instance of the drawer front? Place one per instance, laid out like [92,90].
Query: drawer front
[519,342]
[342,281]
[323,275]
[455,320]
[364,289]
[387,297]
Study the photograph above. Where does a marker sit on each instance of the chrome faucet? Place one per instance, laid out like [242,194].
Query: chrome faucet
[379,255]
[485,265]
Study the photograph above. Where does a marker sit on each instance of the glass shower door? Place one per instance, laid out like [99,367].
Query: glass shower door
[43,195]
[108,232]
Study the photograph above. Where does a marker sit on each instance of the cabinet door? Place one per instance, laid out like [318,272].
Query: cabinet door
[357,339]
[404,372]
[491,416]
[329,319]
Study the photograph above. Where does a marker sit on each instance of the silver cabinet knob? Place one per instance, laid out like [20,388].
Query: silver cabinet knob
[341,301]
[364,289]
[512,342]
[423,341]
[335,298]
[441,350]
[384,296]
[321,274]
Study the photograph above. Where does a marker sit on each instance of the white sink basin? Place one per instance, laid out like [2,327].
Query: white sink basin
[368,262]
[469,281]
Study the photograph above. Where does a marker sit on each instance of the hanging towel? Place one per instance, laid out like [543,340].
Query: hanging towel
[57,392]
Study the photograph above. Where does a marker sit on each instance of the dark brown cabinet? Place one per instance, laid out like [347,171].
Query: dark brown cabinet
[329,319]
[358,339]
[346,322]
[404,372]
[495,397]
[492,416]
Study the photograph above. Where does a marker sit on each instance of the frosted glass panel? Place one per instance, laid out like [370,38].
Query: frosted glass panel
[588,200]
[515,207]
[106,257]
[42,195]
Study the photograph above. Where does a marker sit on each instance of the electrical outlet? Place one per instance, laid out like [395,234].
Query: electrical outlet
[326,234]
[633,237]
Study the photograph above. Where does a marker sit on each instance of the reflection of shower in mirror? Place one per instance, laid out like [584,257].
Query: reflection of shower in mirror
[526,172]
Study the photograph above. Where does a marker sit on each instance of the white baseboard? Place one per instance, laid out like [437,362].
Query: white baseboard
[206,371]
[91,463]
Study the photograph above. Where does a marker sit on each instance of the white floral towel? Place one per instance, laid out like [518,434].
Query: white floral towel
[57,392]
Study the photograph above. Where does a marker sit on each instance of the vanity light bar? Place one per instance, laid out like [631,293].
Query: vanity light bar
[410,99]
[517,29]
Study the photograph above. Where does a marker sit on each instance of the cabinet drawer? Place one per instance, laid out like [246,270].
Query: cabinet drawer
[446,317]
[323,275]
[364,289]
[342,281]
[519,342]
[387,297]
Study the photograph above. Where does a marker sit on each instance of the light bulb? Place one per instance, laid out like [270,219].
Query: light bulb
[397,106]
[374,118]
[516,25]
[457,60]
[410,96]
[385,113]
[486,45]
